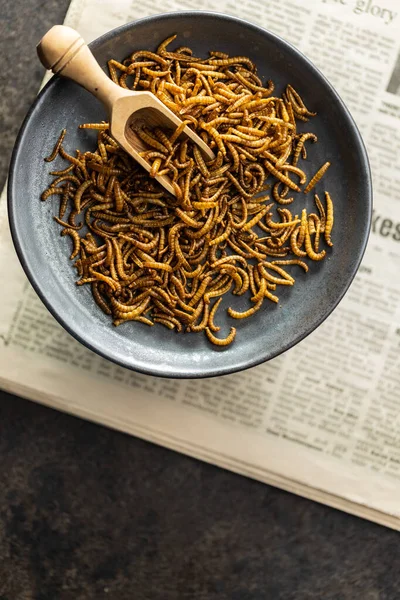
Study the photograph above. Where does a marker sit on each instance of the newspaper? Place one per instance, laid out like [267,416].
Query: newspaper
[331,434]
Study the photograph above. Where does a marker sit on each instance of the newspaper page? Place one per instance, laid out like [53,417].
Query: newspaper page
[334,435]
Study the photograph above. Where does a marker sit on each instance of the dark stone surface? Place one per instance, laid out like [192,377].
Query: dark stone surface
[90,514]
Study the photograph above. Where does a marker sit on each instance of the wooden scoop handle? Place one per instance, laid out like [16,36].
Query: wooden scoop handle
[64,51]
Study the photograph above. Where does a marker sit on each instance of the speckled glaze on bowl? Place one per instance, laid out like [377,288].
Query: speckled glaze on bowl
[274,329]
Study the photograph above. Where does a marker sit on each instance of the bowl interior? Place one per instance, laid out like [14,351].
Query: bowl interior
[272,330]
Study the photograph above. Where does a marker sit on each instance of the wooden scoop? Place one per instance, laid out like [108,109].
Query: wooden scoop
[64,51]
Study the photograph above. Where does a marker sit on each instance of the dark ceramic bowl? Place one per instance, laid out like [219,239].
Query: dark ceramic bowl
[274,329]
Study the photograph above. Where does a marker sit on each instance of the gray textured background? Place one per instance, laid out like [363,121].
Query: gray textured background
[87,513]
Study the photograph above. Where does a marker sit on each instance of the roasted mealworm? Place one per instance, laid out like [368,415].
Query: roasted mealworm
[221,342]
[317,177]
[329,219]
[57,147]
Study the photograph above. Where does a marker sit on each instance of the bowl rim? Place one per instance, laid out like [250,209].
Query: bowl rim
[153,370]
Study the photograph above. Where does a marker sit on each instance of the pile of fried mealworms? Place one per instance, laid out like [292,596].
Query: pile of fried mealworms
[154,258]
